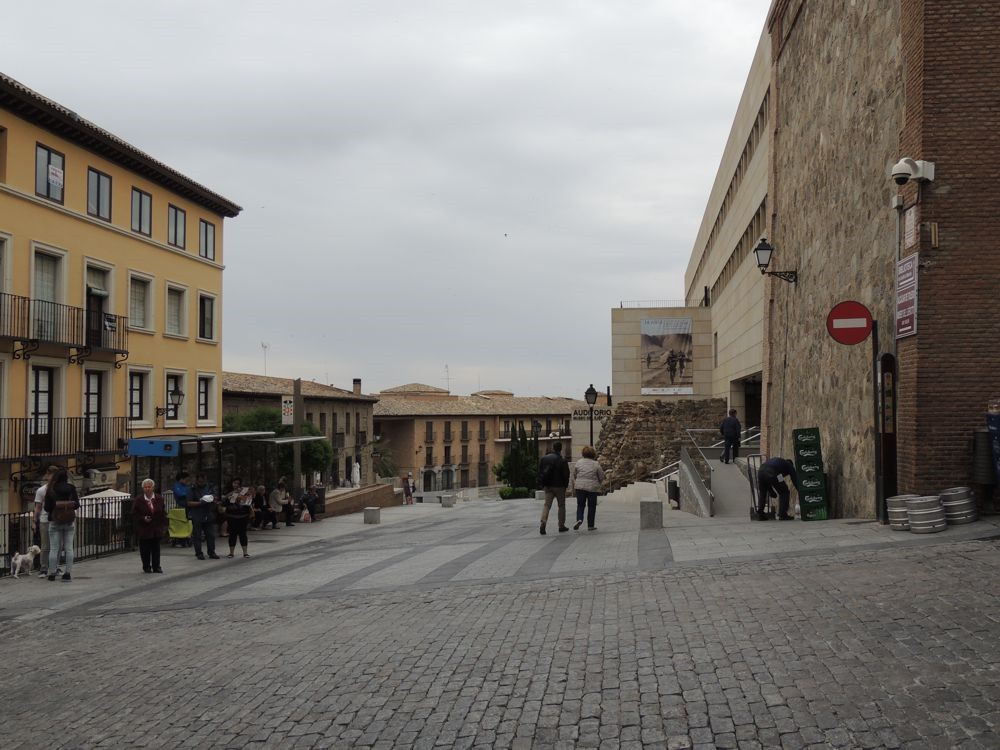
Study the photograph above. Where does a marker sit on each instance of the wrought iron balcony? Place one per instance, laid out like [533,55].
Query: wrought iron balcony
[466,436]
[85,332]
[25,438]
[449,436]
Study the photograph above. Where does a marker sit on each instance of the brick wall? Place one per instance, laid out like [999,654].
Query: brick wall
[949,369]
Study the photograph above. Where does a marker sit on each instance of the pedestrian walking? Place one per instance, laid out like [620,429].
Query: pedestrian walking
[150,525]
[587,478]
[61,504]
[42,521]
[731,430]
[771,481]
[408,488]
[239,511]
[201,511]
[553,477]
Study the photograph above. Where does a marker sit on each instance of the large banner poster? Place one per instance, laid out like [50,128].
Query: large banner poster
[667,357]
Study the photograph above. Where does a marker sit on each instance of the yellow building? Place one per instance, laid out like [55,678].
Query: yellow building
[110,297]
[451,442]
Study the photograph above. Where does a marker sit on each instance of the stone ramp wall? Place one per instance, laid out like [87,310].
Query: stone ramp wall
[642,436]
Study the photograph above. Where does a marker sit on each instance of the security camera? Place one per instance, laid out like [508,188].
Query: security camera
[907,169]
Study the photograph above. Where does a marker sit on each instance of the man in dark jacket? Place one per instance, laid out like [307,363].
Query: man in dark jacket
[553,477]
[731,430]
[771,481]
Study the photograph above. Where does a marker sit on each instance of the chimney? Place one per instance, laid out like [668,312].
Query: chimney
[357,386]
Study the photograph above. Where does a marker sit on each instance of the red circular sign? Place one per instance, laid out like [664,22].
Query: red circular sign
[849,322]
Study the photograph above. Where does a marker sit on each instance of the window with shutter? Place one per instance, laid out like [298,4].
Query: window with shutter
[138,298]
[175,310]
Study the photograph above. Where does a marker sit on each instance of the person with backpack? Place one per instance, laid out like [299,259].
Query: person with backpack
[61,503]
[553,477]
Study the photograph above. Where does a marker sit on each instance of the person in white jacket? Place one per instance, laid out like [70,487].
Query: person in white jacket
[587,478]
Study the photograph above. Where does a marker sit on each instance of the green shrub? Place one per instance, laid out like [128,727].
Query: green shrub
[513,493]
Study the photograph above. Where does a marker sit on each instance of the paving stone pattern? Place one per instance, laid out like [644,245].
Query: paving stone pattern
[891,647]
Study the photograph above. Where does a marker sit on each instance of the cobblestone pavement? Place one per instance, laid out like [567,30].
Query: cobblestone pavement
[419,636]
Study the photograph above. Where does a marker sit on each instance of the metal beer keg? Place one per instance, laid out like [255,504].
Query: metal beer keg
[959,505]
[898,518]
[926,514]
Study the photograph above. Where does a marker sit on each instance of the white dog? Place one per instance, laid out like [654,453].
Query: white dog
[26,561]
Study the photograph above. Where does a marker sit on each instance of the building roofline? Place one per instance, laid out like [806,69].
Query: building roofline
[46,113]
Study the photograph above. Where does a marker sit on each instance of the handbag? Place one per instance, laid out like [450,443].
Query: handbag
[64,512]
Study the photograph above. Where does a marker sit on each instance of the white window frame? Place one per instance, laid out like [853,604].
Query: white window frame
[108,386]
[182,409]
[89,262]
[148,418]
[171,286]
[213,406]
[150,326]
[6,261]
[215,317]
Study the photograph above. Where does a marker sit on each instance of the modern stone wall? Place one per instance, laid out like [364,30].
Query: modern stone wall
[837,98]
[642,436]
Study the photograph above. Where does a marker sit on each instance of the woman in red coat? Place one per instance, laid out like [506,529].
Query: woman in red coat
[150,525]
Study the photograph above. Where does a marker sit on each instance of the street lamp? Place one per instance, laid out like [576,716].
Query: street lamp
[174,399]
[591,397]
[763,252]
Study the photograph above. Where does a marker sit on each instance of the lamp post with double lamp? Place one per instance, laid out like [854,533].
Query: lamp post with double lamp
[591,397]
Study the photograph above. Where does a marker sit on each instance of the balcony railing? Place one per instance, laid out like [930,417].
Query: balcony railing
[62,436]
[558,432]
[466,436]
[429,436]
[429,460]
[338,440]
[449,436]
[40,321]
[484,435]
[14,317]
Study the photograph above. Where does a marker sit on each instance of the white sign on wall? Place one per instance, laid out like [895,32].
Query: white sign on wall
[287,410]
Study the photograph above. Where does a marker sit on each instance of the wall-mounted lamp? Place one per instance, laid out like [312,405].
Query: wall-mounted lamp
[174,398]
[763,252]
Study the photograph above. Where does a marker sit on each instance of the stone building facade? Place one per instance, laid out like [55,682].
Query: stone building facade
[344,417]
[850,90]
[855,89]
[449,441]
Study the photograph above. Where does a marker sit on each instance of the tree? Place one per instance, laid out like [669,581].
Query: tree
[520,466]
[316,454]
[385,462]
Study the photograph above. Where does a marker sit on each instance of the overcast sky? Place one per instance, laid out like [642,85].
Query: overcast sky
[472,183]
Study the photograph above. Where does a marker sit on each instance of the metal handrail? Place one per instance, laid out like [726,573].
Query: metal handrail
[665,471]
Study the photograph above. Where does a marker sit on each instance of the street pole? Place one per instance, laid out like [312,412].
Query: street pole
[296,431]
[880,511]
[591,426]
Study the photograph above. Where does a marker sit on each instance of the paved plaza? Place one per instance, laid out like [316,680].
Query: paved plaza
[462,627]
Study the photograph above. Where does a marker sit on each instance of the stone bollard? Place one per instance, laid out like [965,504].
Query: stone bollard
[373,515]
[650,514]
[447,501]
[539,494]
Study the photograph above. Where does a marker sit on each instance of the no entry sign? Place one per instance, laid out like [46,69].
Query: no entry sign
[849,322]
